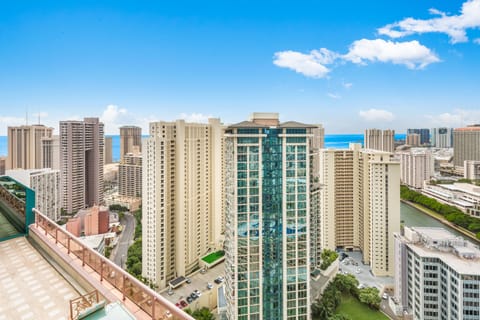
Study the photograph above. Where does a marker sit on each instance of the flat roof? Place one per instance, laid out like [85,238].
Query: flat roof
[31,287]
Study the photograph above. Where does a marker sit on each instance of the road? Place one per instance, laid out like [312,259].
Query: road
[126,239]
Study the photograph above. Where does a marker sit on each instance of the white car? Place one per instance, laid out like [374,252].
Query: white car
[385,296]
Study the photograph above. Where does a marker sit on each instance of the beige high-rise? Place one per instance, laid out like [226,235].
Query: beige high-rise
[416,166]
[182,197]
[130,175]
[130,136]
[108,150]
[51,152]
[466,144]
[81,162]
[24,146]
[382,140]
[360,204]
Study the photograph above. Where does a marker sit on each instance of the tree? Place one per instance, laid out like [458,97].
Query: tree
[370,296]
[339,316]
[201,314]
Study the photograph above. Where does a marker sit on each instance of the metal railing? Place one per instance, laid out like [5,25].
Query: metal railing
[82,303]
[156,306]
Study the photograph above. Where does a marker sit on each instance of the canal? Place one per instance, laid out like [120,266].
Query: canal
[412,217]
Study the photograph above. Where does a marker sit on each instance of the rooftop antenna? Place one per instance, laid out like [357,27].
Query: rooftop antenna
[38,118]
[26,117]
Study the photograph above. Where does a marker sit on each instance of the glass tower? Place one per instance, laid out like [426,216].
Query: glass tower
[267,219]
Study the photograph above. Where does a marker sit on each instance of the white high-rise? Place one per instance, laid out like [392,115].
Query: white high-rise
[442,137]
[182,197]
[360,204]
[438,275]
[382,140]
[416,166]
[46,184]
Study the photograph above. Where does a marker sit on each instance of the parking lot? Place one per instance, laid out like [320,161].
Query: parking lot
[353,265]
[199,281]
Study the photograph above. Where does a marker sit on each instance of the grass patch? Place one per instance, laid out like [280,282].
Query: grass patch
[354,309]
[214,256]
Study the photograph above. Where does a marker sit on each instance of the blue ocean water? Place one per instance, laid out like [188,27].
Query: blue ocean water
[335,141]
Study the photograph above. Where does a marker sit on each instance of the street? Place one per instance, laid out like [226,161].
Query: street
[119,254]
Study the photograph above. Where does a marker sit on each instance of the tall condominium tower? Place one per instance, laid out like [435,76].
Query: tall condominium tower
[376,139]
[267,240]
[442,137]
[108,150]
[360,204]
[130,175]
[24,146]
[130,136]
[51,152]
[81,162]
[416,166]
[182,197]
[424,135]
[466,144]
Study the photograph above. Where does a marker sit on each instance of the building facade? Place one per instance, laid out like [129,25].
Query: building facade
[413,139]
[466,142]
[130,137]
[24,146]
[182,197]
[81,162]
[471,170]
[424,135]
[416,167]
[46,184]
[130,175]
[108,150]
[438,275]
[442,137]
[360,204]
[382,140]
[51,152]
[268,219]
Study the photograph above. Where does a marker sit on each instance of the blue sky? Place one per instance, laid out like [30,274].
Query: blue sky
[349,65]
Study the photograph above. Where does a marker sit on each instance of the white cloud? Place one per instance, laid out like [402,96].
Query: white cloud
[310,65]
[411,54]
[454,26]
[333,95]
[114,117]
[347,85]
[376,115]
[457,118]
[477,40]
[195,117]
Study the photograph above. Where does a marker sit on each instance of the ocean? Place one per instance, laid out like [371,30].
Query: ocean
[335,141]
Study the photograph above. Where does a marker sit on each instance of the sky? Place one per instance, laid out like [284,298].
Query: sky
[348,65]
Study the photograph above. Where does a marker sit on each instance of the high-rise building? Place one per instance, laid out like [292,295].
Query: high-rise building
[437,275]
[466,144]
[416,166]
[46,184]
[382,140]
[130,136]
[182,197]
[108,150]
[413,139]
[267,238]
[360,204]
[316,144]
[24,146]
[471,170]
[442,137]
[3,161]
[81,162]
[424,135]
[51,152]
[130,175]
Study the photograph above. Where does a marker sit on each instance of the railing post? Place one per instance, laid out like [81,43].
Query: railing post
[56,235]
[83,256]
[123,289]
[68,244]
[101,270]
[153,307]
[36,219]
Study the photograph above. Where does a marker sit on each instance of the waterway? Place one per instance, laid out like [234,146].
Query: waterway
[412,217]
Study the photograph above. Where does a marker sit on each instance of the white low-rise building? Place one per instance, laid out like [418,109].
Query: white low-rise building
[464,196]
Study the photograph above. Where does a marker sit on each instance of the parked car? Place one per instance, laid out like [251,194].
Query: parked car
[183,303]
[197,293]
[189,280]
[209,286]
[385,296]
[189,299]
[218,280]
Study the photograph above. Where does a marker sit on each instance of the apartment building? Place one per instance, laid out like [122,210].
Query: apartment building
[416,167]
[382,140]
[24,146]
[360,205]
[182,197]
